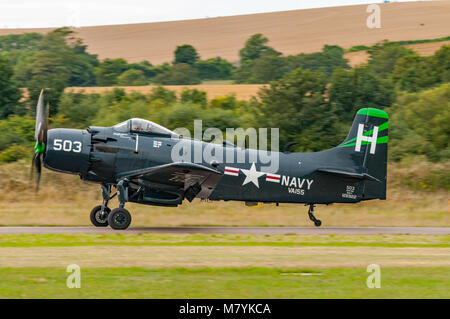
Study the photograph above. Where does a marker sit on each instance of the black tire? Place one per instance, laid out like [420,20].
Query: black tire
[95,216]
[317,223]
[119,218]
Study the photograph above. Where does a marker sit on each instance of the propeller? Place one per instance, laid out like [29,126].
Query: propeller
[40,135]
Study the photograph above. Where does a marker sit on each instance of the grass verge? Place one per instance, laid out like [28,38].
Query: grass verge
[65,201]
[148,239]
[251,282]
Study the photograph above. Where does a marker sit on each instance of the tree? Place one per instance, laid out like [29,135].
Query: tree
[82,66]
[145,67]
[358,88]
[50,68]
[162,94]
[296,105]
[264,69]
[26,41]
[420,124]
[132,77]
[178,74]
[271,65]
[413,73]
[9,90]
[384,58]
[330,58]
[79,109]
[82,73]
[186,54]
[441,63]
[194,96]
[18,130]
[255,47]
[109,70]
[214,69]
[183,115]
[53,61]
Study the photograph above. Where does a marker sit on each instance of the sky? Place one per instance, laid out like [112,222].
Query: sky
[57,13]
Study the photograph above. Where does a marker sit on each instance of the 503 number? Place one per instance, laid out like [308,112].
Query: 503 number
[67,145]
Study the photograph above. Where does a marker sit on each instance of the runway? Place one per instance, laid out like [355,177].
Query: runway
[232,230]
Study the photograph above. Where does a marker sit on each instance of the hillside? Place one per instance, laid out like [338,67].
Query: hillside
[290,32]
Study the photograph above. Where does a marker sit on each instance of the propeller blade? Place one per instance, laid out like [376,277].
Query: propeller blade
[40,135]
[40,132]
[38,166]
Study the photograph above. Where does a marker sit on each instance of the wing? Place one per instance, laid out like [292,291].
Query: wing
[177,175]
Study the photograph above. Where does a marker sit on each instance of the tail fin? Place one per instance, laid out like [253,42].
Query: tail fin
[366,146]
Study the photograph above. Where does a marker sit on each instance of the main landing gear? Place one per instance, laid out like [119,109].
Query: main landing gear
[119,218]
[317,222]
[99,216]
[102,216]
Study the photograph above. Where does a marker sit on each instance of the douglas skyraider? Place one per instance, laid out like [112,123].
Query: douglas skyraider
[134,157]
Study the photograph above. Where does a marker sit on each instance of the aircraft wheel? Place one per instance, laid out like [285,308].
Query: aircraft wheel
[96,218]
[317,223]
[119,218]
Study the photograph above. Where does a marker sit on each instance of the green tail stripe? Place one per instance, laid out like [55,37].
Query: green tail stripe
[382,127]
[380,140]
[373,112]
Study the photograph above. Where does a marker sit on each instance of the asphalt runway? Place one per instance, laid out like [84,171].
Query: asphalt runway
[232,230]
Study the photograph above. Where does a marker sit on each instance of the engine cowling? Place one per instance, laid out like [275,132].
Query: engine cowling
[68,151]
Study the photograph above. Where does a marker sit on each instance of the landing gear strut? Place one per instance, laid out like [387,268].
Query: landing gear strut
[317,222]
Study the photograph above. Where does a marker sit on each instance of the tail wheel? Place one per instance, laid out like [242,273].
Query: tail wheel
[99,219]
[119,218]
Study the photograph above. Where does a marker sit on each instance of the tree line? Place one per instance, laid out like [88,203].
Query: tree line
[58,59]
[312,98]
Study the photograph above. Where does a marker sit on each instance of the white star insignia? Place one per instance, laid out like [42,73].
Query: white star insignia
[252,175]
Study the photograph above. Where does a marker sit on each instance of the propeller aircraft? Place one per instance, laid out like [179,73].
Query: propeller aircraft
[134,158]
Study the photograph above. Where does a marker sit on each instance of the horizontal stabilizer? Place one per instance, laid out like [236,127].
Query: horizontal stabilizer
[350,174]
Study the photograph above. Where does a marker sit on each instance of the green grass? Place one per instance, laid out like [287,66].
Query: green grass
[239,281]
[146,239]
[433,282]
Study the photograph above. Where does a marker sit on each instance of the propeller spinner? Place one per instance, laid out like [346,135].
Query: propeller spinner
[40,135]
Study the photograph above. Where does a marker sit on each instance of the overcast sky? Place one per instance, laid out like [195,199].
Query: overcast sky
[55,13]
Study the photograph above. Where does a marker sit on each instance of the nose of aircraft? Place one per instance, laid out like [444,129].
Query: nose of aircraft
[68,151]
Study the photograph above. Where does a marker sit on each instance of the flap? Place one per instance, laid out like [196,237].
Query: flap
[179,174]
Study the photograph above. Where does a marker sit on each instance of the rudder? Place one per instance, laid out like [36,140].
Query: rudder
[367,146]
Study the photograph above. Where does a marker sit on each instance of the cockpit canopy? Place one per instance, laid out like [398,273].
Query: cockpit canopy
[136,125]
